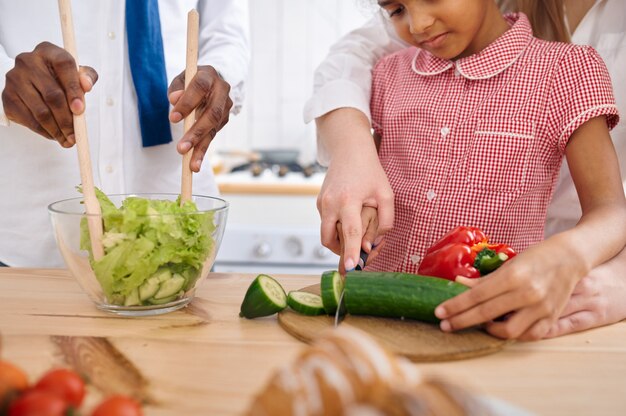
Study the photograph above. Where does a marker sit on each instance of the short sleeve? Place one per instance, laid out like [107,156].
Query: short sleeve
[581,91]
[377,101]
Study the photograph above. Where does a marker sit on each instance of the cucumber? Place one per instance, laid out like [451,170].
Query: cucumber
[397,295]
[331,288]
[162,274]
[162,301]
[170,287]
[305,303]
[149,288]
[264,297]
[132,299]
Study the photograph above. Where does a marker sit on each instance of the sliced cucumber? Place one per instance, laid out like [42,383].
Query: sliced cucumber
[264,297]
[170,287]
[305,303]
[132,299]
[331,288]
[162,275]
[149,288]
[397,295]
[162,301]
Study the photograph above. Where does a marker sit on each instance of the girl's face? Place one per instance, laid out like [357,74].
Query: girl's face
[449,29]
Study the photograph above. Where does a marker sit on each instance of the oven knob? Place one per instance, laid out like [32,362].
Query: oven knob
[293,245]
[322,252]
[262,249]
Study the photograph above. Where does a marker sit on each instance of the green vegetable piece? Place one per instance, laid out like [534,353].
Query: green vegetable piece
[149,288]
[397,295]
[331,287]
[264,297]
[170,287]
[132,299]
[305,303]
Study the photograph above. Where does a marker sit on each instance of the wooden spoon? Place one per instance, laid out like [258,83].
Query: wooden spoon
[94,219]
[193,22]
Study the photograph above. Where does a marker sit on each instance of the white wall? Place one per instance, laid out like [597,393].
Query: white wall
[289,39]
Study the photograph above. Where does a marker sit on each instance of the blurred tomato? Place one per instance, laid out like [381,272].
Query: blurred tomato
[38,403]
[118,406]
[65,384]
[12,379]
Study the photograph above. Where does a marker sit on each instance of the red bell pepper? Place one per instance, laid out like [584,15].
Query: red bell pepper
[464,251]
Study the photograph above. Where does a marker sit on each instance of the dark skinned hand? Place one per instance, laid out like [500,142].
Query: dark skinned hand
[44,90]
[208,95]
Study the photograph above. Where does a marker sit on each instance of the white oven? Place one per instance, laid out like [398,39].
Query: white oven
[273,225]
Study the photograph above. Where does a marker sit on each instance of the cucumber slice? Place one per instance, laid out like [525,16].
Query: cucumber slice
[149,288]
[331,288]
[170,287]
[132,299]
[162,274]
[305,303]
[264,297]
[154,301]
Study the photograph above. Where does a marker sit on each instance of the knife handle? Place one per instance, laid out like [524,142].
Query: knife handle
[362,260]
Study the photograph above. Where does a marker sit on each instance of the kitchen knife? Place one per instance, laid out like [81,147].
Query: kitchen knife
[341,307]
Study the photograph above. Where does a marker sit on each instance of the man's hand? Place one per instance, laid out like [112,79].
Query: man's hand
[208,95]
[45,89]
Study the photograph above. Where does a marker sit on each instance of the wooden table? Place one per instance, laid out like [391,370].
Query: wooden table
[205,360]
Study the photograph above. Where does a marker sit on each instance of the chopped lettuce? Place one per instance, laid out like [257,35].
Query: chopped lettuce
[144,236]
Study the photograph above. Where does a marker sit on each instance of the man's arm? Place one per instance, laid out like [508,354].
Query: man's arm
[6,63]
[225,43]
[217,88]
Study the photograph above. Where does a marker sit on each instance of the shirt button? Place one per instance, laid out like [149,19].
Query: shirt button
[430,195]
[109,169]
[445,131]
[456,72]
[415,259]
[111,35]
[110,101]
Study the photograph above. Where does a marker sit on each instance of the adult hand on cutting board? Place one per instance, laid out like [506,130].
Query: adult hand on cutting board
[208,95]
[44,90]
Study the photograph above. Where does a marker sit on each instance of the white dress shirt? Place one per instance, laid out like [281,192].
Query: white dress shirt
[344,80]
[35,172]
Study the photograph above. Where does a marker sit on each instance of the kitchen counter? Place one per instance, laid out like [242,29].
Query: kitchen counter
[205,360]
[269,183]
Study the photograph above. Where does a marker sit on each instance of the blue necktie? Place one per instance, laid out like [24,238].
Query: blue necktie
[147,65]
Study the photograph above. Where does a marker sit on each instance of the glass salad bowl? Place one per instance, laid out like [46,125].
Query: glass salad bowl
[156,252]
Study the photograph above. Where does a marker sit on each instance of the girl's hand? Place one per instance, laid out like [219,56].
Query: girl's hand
[208,94]
[532,290]
[369,223]
[598,299]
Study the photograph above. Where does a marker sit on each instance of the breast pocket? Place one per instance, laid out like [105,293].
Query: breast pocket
[498,156]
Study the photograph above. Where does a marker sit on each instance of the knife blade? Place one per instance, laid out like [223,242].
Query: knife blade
[341,310]
[341,307]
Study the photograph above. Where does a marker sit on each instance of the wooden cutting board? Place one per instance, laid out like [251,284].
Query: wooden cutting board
[418,341]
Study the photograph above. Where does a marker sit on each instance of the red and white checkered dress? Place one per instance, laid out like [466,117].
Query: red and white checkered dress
[479,141]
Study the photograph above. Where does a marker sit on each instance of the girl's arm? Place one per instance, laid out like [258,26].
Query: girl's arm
[537,284]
